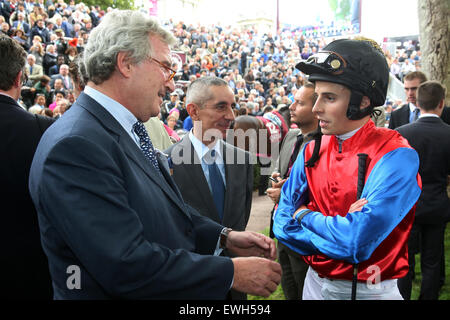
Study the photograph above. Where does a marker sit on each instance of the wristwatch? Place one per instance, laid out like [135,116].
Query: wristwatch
[224,236]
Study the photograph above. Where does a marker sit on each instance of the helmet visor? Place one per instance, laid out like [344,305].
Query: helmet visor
[329,61]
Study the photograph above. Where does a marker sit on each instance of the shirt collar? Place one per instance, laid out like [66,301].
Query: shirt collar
[412,107]
[345,136]
[428,115]
[7,95]
[117,110]
[201,149]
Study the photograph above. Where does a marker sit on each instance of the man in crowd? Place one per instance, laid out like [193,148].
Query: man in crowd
[409,112]
[64,76]
[293,266]
[346,214]
[23,263]
[34,71]
[214,177]
[122,229]
[430,137]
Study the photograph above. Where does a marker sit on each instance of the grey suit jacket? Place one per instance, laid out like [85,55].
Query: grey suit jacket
[189,176]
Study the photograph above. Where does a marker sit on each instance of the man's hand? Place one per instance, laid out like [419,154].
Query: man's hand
[275,191]
[274,194]
[248,243]
[256,276]
[357,206]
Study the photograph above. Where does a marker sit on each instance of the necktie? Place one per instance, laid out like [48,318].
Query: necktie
[146,144]
[295,152]
[217,185]
[414,115]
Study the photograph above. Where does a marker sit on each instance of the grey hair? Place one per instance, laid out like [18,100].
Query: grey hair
[120,31]
[198,91]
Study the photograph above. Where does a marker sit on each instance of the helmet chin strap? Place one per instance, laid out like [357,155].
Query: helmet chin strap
[354,112]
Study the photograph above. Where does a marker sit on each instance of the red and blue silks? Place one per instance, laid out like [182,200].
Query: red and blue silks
[330,238]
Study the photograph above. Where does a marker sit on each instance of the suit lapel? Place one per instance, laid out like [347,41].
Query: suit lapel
[194,172]
[132,150]
[406,114]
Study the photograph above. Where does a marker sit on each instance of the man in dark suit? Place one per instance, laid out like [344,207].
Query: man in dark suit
[430,137]
[24,266]
[210,104]
[408,112]
[293,266]
[21,23]
[64,76]
[113,223]
[40,30]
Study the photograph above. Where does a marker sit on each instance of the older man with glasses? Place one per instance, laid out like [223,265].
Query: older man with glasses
[120,227]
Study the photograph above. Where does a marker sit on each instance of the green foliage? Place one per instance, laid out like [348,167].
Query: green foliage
[277,294]
[119,4]
[341,8]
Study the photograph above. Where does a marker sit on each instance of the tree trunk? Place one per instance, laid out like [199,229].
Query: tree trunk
[434,20]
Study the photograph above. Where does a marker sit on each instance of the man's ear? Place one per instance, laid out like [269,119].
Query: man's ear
[18,79]
[193,110]
[124,64]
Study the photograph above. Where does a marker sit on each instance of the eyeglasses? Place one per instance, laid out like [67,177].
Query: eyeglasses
[331,61]
[171,72]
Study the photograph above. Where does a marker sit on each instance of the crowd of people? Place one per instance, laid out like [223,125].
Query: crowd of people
[259,67]
[210,78]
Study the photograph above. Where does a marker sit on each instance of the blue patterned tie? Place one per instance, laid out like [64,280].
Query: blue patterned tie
[217,185]
[414,115]
[146,144]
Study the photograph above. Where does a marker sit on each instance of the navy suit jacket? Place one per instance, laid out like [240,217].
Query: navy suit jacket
[430,137]
[399,117]
[23,264]
[103,208]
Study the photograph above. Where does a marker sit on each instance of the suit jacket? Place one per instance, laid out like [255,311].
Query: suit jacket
[430,137]
[59,76]
[23,264]
[282,164]
[105,210]
[445,116]
[66,28]
[399,117]
[25,26]
[36,74]
[191,180]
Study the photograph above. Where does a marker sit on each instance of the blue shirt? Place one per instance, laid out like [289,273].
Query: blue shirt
[202,153]
[118,111]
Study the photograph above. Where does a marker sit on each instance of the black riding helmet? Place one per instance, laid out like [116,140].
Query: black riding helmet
[360,65]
